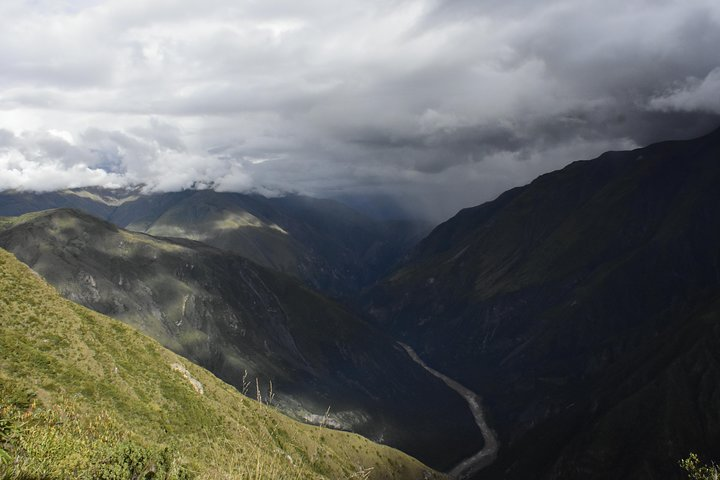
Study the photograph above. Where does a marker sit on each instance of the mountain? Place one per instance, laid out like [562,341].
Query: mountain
[323,242]
[584,308]
[96,201]
[244,322]
[84,396]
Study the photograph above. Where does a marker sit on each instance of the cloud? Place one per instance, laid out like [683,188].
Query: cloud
[439,103]
[23,173]
[693,95]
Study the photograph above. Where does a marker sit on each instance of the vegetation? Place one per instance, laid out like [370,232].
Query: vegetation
[85,396]
[698,471]
[61,442]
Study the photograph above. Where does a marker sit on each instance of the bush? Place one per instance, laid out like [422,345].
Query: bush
[129,460]
[61,442]
[13,395]
[697,471]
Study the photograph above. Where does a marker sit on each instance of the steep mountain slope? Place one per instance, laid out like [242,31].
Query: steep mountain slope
[106,399]
[98,202]
[649,410]
[326,244]
[583,307]
[243,322]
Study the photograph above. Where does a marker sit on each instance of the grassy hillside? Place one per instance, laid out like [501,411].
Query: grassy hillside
[242,321]
[85,396]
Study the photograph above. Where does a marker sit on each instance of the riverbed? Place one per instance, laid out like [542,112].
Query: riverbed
[488,453]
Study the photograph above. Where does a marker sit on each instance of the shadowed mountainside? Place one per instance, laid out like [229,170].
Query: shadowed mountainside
[584,308]
[328,245]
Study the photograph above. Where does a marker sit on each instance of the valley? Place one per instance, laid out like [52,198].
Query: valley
[84,396]
[254,328]
[582,307]
[488,453]
[360,240]
[569,303]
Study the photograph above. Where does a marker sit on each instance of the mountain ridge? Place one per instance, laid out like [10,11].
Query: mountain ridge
[533,299]
[328,245]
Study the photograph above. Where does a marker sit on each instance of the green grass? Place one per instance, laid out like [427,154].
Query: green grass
[85,396]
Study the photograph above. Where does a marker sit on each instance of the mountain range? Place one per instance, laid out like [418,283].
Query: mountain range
[581,309]
[246,323]
[328,245]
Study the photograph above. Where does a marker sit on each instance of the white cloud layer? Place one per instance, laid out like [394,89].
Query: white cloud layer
[693,95]
[442,103]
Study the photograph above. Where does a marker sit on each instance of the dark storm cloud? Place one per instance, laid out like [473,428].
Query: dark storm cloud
[440,104]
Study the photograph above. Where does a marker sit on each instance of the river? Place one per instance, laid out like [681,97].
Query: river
[487,455]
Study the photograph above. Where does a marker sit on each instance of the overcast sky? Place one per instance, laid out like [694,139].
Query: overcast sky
[442,104]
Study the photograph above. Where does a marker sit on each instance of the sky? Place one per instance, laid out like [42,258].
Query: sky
[436,105]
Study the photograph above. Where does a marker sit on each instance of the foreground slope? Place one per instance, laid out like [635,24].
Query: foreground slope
[103,388]
[583,306]
[243,322]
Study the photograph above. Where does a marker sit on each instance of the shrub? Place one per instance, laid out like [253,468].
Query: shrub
[61,442]
[129,460]
[697,471]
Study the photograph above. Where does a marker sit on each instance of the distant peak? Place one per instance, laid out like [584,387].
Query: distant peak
[63,215]
[110,197]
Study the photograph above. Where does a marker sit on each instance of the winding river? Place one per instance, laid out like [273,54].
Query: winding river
[487,455]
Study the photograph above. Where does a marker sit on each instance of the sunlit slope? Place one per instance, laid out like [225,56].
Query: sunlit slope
[234,318]
[101,385]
